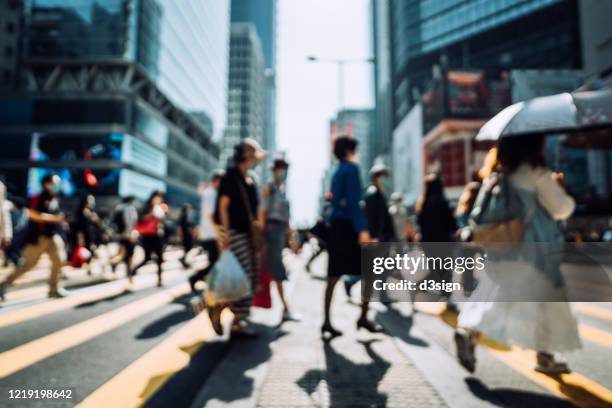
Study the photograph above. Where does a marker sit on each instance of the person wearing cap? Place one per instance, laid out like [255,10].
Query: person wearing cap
[43,237]
[206,231]
[348,230]
[274,214]
[236,215]
[377,214]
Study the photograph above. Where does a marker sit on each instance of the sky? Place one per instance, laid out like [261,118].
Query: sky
[307,92]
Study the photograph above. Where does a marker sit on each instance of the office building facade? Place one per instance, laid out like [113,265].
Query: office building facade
[262,14]
[104,94]
[11,22]
[246,89]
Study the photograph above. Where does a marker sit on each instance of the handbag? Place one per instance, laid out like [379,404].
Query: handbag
[263,297]
[256,231]
[499,201]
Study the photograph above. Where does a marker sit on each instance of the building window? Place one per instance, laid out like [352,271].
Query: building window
[10,27]
[8,51]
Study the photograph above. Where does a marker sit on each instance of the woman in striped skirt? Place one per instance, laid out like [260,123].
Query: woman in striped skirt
[236,208]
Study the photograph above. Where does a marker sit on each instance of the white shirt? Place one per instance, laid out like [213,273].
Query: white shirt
[209,201]
[550,195]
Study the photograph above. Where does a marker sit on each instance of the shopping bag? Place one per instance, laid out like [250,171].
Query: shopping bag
[263,298]
[147,226]
[80,255]
[227,281]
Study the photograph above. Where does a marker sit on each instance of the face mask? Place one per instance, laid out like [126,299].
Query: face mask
[282,175]
[56,188]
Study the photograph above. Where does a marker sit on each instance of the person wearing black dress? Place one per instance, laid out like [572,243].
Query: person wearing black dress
[348,230]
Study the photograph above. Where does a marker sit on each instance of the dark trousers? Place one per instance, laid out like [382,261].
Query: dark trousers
[211,248]
[152,245]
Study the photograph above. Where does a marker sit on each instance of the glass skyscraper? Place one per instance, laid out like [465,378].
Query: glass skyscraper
[262,14]
[477,34]
[120,97]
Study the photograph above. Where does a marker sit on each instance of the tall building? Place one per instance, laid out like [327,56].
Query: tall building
[456,58]
[596,34]
[262,13]
[105,92]
[246,89]
[11,19]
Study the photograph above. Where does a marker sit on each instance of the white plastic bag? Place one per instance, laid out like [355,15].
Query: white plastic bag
[227,281]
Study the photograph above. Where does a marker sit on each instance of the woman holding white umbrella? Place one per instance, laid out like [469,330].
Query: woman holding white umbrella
[544,322]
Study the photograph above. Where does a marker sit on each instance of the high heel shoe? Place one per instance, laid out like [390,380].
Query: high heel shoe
[327,329]
[369,326]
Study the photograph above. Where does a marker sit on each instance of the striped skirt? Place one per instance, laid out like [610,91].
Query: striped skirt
[241,245]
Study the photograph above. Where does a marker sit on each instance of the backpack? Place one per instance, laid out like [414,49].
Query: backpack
[119,220]
[498,215]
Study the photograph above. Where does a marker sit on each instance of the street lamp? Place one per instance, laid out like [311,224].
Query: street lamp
[340,65]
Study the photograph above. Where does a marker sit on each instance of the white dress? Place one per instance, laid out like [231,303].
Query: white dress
[542,326]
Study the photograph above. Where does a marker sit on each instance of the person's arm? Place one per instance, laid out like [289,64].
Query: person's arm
[223,231]
[5,228]
[553,197]
[266,192]
[40,217]
[353,198]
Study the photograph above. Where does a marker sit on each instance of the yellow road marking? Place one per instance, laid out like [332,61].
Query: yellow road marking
[594,311]
[580,390]
[37,350]
[138,382]
[56,305]
[601,337]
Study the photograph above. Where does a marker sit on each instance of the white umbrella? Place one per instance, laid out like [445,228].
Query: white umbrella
[562,113]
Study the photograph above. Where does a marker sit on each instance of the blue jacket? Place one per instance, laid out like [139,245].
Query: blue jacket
[347,193]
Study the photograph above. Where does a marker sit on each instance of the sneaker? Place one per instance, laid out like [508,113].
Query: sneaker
[291,317]
[58,293]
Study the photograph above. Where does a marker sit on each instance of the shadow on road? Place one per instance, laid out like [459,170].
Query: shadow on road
[104,300]
[510,398]
[348,383]
[399,326]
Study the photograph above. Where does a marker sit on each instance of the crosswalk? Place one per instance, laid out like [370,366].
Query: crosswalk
[576,387]
[134,382]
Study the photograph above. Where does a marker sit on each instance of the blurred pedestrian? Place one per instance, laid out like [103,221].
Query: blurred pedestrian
[6,225]
[207,229]
[124,219]
[151,230]
[240,232]
[186,228]
[85,226]
[19,220]
[403,227]
[377,214]
[437,225]
[348,229]
[547,327]
[462,214]
[43,236]
[274,215]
